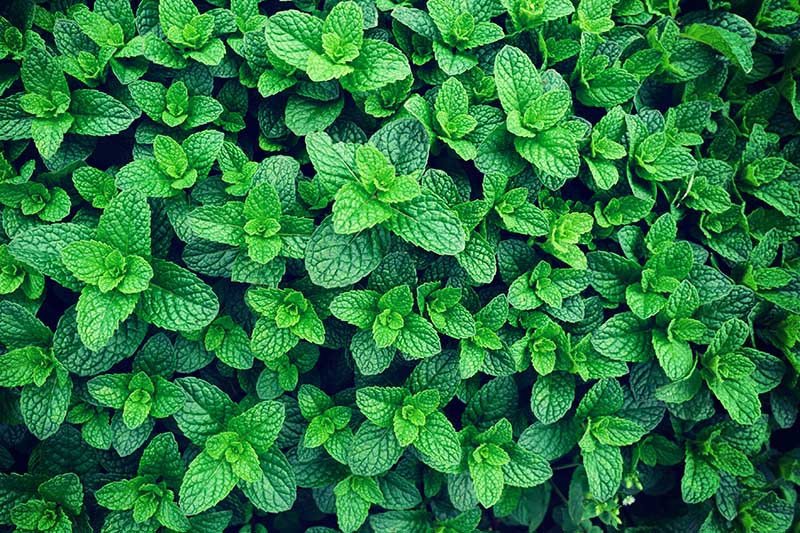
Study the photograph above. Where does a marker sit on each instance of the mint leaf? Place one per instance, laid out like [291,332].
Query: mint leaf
[275,492]
[336,260]
[427,223]
[604,470]
[100,314]
[700,481]
[206,483]
[98,114]
[375,450]
[177,299]
[438,443]
[45,408]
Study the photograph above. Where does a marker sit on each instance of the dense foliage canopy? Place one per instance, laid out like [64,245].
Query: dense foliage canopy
[409,266]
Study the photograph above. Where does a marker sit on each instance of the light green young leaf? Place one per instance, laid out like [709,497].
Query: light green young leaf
[207,482]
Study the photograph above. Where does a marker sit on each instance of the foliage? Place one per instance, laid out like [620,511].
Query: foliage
[399,265]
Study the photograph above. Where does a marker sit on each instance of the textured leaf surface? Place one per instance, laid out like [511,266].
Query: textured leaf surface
[336,260]
[44,408]
[207,482]
[427,223]
[604,470]
[276,491]
[177,299]
[375,450]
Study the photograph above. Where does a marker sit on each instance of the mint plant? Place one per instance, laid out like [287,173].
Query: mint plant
[405,419]
[335,48]
[495,461]
[48,109]
[55,505]
[148,498]
[328,424]
[442,266]
[137,395]
[387,321]
[174,106]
